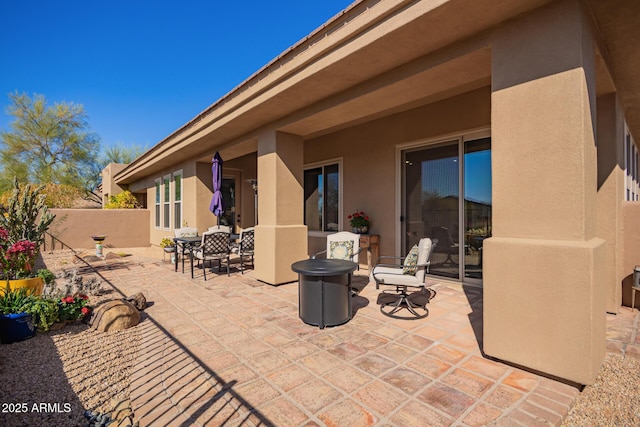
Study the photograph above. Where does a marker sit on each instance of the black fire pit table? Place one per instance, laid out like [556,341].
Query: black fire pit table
[324,291]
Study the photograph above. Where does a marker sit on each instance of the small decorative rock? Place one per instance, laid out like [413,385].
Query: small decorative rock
[114,316]
[138,300]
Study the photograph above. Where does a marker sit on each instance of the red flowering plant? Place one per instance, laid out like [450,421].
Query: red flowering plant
[16,260]
[359,219]
[73,308]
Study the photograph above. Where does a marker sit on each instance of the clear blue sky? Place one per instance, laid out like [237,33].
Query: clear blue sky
[144,68]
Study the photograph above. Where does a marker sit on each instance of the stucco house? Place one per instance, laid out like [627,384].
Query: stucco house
[508,126]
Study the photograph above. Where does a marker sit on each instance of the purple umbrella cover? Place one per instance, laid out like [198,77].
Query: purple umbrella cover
[216,201]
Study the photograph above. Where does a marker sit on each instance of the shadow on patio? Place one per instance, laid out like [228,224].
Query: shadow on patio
[233,351]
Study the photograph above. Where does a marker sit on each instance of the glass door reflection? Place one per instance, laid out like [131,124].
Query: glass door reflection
[431,194]
[432,181]
[477,204]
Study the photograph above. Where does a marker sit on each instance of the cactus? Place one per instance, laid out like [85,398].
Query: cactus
[26,216]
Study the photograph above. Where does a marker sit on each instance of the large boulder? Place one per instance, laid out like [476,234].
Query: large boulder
[114,315]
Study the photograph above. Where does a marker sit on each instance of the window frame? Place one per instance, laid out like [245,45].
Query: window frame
[323,164]
[177,222]
[166,202]
[157,203]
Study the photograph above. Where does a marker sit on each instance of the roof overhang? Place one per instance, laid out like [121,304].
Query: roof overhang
[365,63]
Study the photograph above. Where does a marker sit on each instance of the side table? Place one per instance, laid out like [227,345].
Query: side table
[371,242]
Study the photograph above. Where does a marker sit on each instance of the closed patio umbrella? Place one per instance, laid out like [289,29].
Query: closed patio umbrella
[216,205]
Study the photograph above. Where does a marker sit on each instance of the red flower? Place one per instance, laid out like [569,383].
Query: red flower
[83,296]
[366,217]
[85,311]
[68,300]
[350,217]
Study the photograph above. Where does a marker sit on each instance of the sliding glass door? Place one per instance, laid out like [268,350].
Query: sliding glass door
[433,179]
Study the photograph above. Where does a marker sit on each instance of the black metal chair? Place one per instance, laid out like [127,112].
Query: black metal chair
[182,250]
[245,247]
[215,246]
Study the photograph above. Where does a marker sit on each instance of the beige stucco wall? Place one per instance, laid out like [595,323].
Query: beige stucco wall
[124,228]
[631,249]
[544,285]
[280,236]
[368,153]
[109,186]
[610,189]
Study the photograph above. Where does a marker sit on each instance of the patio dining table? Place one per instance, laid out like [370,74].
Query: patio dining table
[190,243]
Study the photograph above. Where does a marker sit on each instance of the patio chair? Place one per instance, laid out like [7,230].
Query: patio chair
[181,251]
[245,247]
[215,246]
[342,245]
[409,274]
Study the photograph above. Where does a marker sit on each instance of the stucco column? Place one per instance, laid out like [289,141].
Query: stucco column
[610,193]
[544,298]
[281,236]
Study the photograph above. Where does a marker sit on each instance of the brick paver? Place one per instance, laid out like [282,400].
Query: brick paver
[233,351]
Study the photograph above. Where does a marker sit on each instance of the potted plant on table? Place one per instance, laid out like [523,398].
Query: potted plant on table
[359,221]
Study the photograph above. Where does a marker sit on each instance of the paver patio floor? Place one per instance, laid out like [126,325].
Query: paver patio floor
[233,351]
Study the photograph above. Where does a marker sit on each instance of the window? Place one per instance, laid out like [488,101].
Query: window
[322,197]
[177,199]
[632,187]
[166,201]
[157,203]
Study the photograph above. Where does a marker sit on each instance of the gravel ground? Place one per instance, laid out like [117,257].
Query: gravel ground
[614,399]
[52,378]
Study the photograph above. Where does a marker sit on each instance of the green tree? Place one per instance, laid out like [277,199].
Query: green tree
[47,143]
[120,153]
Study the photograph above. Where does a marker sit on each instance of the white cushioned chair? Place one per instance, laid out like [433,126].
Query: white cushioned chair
[342,245]
[409,274]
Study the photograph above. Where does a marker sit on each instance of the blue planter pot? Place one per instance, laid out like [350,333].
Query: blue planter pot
[16,327]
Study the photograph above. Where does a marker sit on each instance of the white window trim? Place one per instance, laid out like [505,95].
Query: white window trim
[166,178]
[173,196]
[338,161]
[157,203]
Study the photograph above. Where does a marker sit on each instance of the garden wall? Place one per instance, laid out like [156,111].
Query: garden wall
[124,228]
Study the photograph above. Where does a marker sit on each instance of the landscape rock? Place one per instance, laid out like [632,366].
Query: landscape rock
[114,315]
[138,300]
